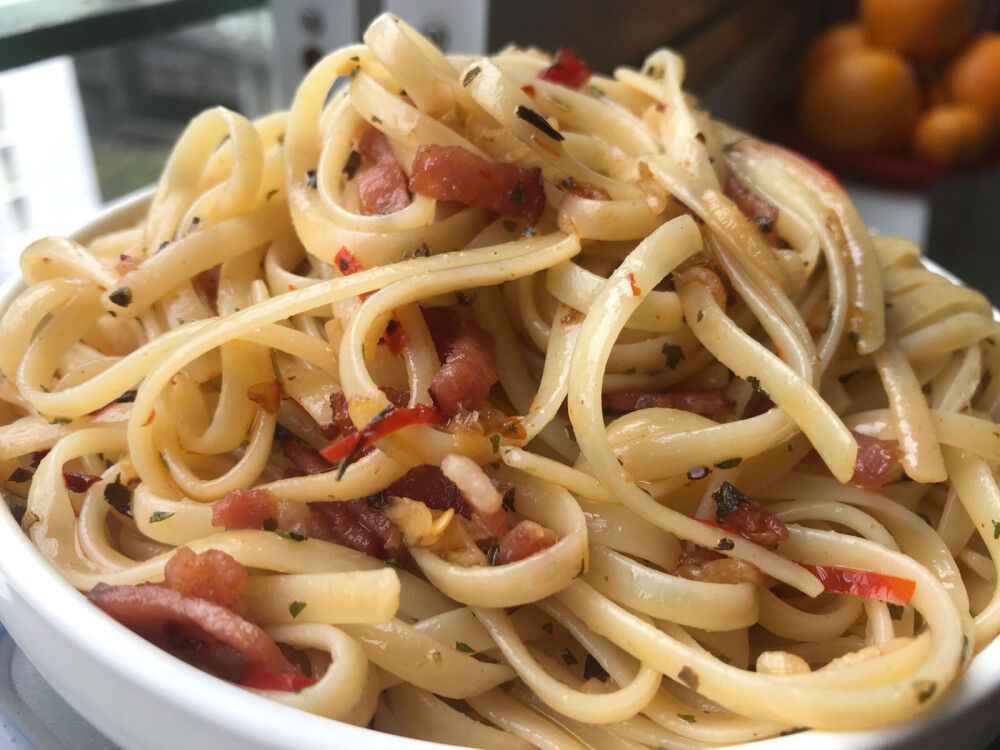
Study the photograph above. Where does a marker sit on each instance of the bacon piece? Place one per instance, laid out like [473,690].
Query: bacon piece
[382,184]
[711,401]
[450,173]
[750,204]
[245,509]
[79,482]
[305,459]
[874,462]
[524,540]
[701,564]
[469,371]
[747,517]
[443,324]
[355,524]
[200,632]
[428,484]
[212,575]
[566,69]
[758,524]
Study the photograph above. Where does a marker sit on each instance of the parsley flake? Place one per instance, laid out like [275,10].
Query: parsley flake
[20,475]
[295,607]
[567,656]
[464,647]
[293,535]
[729,463]
[687,717]
[495,442]
[547,627]
[508,500]
[160,515]
[471,76]
[119,497]
[674,355]
[895,611]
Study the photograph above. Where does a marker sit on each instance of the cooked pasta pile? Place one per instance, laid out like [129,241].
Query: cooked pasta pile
[496,403]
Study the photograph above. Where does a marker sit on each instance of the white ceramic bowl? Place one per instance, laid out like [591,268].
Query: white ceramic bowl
[141,697]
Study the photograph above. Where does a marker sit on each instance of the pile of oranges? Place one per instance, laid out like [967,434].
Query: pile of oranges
[908,77]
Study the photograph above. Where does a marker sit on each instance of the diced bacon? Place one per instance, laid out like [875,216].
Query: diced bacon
[428,484]
[747,517]
[198,631]
[450,173]
[750,204]
[355,524]
[758,524]
[494,525]
[382,185]
[307,460]
[524,540]
[79,482]
[566,69]
[874,462]
[876,458]
[443,324]
[212,575]
[711,401]
[245,509]
[701,564]
[469,371]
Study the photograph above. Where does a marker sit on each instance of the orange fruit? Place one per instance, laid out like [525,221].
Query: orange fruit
[952,134]
[921,29]
[974,76]
[835,41]
[863,100]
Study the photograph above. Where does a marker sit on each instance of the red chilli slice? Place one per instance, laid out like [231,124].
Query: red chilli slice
[867,583]
[385,423]
[566,69]
[262,679]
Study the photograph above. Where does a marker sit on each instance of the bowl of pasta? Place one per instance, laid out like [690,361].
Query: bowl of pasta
[491,402]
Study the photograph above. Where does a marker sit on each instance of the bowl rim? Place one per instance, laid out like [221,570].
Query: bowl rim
[131,659]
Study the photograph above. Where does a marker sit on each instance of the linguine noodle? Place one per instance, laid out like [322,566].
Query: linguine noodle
[725,285]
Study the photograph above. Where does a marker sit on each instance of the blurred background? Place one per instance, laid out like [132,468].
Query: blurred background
[94,92]
[900,98]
